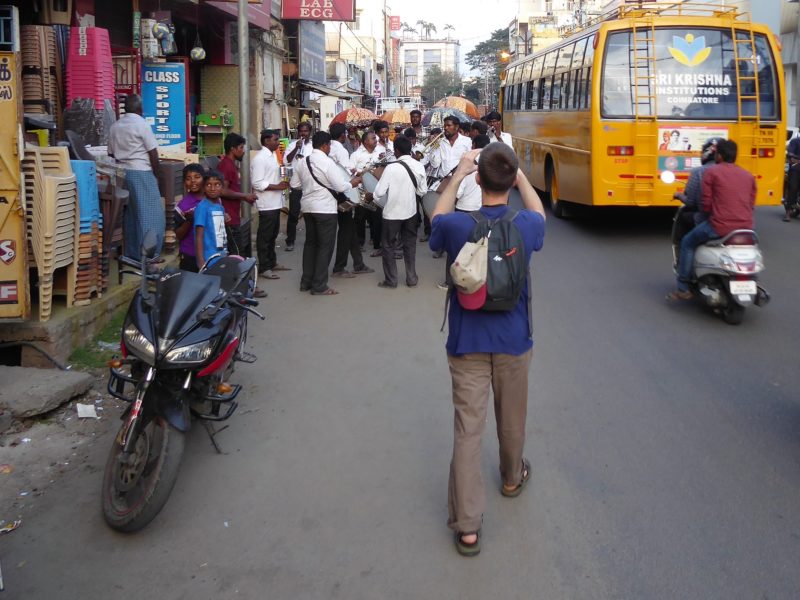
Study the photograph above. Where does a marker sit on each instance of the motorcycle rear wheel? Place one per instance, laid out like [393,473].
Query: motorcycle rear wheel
[733,314]
[135,492]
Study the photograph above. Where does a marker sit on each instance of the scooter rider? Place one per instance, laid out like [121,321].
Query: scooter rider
[791,194]
[729,194]
[691,196]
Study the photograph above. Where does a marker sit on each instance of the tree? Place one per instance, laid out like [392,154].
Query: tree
[485,58]
[421,24]
[407,28]
[438,84]
[448,28]
[429,27]
[473,89]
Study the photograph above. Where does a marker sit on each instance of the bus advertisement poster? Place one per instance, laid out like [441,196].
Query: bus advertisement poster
[679,145]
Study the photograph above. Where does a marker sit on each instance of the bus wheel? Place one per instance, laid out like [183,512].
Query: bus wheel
[556,205]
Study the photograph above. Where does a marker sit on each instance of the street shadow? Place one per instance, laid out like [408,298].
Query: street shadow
[612,221]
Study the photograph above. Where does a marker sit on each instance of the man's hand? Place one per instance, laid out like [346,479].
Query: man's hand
[356,181]
[227,218]
[283,185]
[467,164]
[250,198]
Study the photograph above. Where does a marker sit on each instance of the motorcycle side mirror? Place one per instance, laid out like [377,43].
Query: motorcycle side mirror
[668,177]
[149,244]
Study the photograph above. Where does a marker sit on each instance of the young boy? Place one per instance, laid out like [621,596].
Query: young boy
[209,221]
[193,176]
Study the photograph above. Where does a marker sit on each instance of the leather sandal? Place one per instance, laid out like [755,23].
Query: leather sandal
[517,490]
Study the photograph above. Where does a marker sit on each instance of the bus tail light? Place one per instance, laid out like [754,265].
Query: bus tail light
[763,152]
[620,150]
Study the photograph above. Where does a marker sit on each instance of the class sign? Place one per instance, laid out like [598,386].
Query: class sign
[164,103]
[319,10]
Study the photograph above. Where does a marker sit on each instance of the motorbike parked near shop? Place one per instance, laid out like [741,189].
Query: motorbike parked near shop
[181,337]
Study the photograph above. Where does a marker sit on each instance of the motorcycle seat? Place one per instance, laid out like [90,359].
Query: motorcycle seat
[231,270]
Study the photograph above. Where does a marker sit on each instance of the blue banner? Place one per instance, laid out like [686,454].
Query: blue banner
[164,103]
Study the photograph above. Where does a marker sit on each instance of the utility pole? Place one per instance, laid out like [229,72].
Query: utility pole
[244,90]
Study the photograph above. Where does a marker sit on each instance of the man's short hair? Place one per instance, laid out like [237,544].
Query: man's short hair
[436,131]
[319,139]
[452,119]
[727,149]
[133,103]
[410,133]
[493,116]
[214,174]
[193,168]
[479,126]
[305,124]
[378,125]
[402,145]
[497,167]
[366,134]
[232,140]
[266,134]
[480,141]
[415,112]
[337,130]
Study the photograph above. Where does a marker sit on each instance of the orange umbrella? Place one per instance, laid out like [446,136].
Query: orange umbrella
[401,116]
[355,117]
[461,104]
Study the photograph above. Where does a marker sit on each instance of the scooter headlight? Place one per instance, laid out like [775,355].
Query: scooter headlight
[193,353]
[135,340]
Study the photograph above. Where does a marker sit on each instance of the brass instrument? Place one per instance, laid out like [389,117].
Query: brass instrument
[374,172]
[432,144]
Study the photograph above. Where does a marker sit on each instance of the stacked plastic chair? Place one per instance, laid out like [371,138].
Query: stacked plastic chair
[90,69]
[51,212]
[170,183]
[90,236]
[41,85]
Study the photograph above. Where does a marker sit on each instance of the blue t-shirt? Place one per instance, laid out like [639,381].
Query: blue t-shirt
[211,217]
[505,332]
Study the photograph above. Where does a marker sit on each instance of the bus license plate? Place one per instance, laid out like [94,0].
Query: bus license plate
[743,287]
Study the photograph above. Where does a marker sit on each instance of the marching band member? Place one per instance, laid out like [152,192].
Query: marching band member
[468,196]
[401,183]
[294,154]
[496,133]
[445,158]
[385,145]
[366,155]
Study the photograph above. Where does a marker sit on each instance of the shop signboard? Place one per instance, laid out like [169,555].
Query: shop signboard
[164,103]
[312,51]
[319,10]
[14,288]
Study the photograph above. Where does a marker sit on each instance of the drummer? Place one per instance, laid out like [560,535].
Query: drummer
[366,155]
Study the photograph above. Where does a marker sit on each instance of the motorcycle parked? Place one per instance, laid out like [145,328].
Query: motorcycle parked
[179,344]
[725,271]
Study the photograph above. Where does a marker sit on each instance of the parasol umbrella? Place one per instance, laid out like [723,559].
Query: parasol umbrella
[435,116]
[400,116]
[355,117]
[461,104]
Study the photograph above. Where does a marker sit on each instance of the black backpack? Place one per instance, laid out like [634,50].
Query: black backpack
[507,265]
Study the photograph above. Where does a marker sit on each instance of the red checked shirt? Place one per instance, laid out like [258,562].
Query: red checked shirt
[729,194]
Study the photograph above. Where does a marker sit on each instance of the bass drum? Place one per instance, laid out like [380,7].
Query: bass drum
[429,201]
[352,194]
[369,182]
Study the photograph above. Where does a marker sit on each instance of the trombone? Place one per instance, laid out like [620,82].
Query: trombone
[431,145]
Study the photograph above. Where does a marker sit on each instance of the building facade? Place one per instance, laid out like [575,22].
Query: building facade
[418,55]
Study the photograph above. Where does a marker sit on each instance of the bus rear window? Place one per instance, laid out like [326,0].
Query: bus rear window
[695,76]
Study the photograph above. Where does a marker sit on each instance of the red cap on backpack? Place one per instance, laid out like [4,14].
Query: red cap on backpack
[472,301]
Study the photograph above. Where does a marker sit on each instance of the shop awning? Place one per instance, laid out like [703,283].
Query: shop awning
[326,91]
[257,15]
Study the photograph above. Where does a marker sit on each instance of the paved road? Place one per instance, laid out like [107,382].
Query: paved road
[665,448]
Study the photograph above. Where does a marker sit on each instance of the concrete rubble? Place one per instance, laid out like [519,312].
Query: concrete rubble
[27,392]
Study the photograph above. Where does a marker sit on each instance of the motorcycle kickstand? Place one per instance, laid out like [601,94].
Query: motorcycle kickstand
[209,427]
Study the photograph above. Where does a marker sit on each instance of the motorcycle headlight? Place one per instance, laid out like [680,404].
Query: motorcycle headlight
[193,353]
[136,341]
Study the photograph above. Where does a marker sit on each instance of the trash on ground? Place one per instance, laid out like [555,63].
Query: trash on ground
[6,469]
[86,411]
[9,527]
[26,440]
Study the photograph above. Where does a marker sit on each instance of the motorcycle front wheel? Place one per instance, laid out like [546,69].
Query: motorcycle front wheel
[136,487]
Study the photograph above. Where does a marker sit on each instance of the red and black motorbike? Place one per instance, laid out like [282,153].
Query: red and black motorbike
[182,334]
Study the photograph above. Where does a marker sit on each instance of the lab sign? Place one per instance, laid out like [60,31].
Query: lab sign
[319,10]
[164,101]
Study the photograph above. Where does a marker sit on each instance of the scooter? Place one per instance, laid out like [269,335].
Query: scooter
[725,271]
[179,343]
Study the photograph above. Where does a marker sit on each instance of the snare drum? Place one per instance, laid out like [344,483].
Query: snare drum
[369,182]
[353,193]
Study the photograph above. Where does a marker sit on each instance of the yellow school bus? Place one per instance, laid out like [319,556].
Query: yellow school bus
[599,116]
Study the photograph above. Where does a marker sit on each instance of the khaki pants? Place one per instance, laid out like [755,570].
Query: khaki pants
[471,375]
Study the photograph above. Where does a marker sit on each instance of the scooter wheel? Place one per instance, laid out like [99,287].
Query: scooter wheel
[733,314]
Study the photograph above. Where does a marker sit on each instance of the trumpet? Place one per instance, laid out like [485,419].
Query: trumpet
[431,144]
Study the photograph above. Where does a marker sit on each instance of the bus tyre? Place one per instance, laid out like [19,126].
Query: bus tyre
[556,205]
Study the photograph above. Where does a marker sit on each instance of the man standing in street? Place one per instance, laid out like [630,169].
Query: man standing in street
[346,238]
[496,133]
[367,154]
[295,152]
[401,183]
[132,143]
[729,195]
[416,124]
[385,145]
[265,173]
[487,348]
[319,178]
[445,158]
[232,196]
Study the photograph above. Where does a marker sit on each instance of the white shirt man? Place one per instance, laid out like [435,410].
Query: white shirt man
[446,157]
[469,197]
[129,141]
[363,157]
[340,156]
[397,193]
[316,198]
[265,171]
[386,149]
[504,137]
